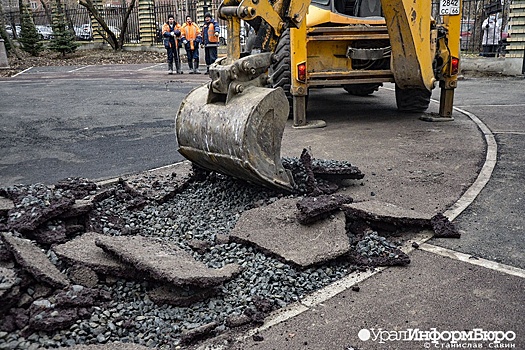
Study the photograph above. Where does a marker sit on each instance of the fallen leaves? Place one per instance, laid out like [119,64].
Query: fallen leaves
[80,58]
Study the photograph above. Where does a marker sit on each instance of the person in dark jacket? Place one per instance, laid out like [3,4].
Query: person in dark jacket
[210,38]
[170,34]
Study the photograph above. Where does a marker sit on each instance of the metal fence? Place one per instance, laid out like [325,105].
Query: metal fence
[474,12]
[473,33]
[79,20]
[178,10]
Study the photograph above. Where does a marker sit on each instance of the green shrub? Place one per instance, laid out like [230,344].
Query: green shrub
[29,37]
[63,40]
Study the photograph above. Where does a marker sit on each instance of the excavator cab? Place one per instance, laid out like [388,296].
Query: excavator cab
[357,8]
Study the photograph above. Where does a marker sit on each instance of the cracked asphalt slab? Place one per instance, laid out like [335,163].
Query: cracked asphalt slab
[433,291]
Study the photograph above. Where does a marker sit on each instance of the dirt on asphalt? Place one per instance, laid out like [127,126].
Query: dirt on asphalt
[79,58]
[22,60]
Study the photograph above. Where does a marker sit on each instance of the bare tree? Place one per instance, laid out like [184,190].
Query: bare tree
[47,10]
[105,32]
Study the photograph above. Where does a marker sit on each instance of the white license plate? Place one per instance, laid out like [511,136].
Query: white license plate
[449,7]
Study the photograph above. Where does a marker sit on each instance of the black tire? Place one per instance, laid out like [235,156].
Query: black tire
[412,100]
[361,89]
[280,71]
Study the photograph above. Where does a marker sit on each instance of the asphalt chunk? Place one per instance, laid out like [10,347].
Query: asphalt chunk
[312,209]
[275,229]
[382,216]
[33,260]
[6,204]
[165,261]
[162,184]
[82,251]
[443,228]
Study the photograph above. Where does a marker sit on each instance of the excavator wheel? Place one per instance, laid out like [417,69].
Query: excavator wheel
[412,100]
[361,89]
[280,72]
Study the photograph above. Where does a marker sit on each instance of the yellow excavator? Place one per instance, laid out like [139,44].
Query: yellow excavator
[234,124]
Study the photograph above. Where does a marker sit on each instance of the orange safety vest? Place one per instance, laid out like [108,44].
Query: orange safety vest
[190,33]
[166,29]
[211,33]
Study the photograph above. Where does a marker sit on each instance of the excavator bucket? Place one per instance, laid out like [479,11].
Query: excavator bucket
[240,136]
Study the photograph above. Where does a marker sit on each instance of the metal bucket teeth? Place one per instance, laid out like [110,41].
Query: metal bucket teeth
[241,138]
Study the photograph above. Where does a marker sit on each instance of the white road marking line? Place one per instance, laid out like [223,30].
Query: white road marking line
[330,291]
[484,175]
[114,180]
[149,67]
[509,132]
[486,171]
[277,317]
[25,70]
[77,69]
[492,265]
[169,165]
[509,105]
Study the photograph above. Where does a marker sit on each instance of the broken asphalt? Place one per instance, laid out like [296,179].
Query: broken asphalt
[471,288]
[472,170]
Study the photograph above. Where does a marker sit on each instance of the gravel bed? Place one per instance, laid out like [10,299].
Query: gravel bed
[204,210]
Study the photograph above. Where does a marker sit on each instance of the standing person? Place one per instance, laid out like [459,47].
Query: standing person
[210,37]
[491,36]
[170,34]
[191,38]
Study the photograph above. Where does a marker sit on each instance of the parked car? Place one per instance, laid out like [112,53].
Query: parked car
[466,37]
[45,32]
[115,30]
[9,31]
[223,35]
[84,32]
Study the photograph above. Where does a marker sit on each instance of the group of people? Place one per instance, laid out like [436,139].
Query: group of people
[190,36]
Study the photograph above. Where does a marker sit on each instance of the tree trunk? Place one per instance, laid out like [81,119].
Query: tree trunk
[9,41]
[47,11]
[108,35]
[124,28]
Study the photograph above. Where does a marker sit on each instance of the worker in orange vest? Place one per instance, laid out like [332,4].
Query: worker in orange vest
[191,38]
[171,34]
[210,37]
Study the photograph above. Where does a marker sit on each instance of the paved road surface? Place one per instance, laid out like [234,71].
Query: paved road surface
[101,122]
[115,120]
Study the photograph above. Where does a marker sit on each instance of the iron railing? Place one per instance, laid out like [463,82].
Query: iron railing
[474,12]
